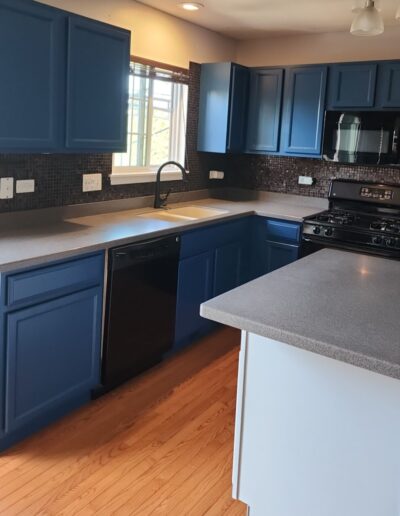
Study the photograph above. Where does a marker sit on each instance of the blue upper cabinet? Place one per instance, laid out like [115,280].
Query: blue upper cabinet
[352,85]
[389,85]
[32,48]
[304,103]
[64,85]
[97,86]
[223,107]
[265,99]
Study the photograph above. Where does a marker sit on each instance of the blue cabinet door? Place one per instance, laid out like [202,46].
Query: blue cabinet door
[238,108]
[389,85]
[195,285]
[278,255]
[264,110]
[32,48]
[53,356]
[2,375]
[228,263]
[303,117]
[223,106]
[97,86]
[352,85]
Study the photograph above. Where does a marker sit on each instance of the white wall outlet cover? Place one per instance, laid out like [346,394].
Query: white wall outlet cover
[25,186]
[6,188]
[216,174]
[306,180]
[92,182]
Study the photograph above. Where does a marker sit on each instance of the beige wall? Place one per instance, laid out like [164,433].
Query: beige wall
[319,48]
[156,35]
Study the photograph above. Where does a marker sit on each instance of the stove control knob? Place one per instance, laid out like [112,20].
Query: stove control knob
[377,240]
[316,230]
[328,232]
[390,242]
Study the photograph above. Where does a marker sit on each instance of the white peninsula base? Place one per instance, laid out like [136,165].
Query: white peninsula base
[314,436]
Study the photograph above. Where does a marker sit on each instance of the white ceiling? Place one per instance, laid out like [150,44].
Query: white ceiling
[248,19]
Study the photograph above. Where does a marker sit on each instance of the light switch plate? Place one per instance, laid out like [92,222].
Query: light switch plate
[25,186]
[91,182]
[6,188]
[216,174]
[306,180]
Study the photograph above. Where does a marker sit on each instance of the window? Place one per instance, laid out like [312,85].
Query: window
[157,115]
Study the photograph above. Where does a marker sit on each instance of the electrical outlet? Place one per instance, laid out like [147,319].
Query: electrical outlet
[6,188]
[25,186]
[91,182]
[306,180]
[216,174]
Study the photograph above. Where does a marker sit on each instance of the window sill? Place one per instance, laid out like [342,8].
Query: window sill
[128,178]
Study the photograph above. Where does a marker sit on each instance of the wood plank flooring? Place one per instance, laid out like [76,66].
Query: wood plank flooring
[161,444]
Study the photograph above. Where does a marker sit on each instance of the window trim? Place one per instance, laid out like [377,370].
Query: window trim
[134,175]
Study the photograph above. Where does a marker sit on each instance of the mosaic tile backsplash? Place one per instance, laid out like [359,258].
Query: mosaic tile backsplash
[58,177]
[280,174]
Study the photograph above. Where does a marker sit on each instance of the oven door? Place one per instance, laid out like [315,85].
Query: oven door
[368,137]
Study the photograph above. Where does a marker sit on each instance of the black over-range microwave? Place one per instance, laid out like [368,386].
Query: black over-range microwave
[362,137]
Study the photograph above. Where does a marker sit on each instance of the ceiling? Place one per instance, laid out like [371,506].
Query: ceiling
[248,19]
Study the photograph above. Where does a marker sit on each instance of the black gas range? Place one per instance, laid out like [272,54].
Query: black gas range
[362,217]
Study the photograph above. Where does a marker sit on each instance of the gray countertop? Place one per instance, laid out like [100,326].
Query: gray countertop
[335,303]
[39,236]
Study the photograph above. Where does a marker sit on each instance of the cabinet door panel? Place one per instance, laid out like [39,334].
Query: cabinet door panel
[195,281]
[278,255]
[264,110]
[32,43]
[390,85]
[304,110]
[53,355]
[214,107]
[227,267]
[352,85]
[238,109]
[97,86]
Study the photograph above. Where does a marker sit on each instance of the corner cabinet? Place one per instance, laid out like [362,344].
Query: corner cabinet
[213,261]
[223,107]
[304,110]
[65,81]
[52,319]
[265,100]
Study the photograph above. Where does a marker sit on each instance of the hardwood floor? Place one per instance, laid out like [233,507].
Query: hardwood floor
[161,444]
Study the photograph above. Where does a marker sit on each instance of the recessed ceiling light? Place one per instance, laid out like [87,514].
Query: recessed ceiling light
[191,6]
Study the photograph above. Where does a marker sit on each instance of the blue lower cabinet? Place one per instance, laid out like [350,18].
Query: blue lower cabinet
[228,267]
[278,255]
[195,285]
[53,356]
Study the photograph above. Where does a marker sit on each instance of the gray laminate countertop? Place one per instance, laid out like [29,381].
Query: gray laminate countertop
[335,303]
[40,236]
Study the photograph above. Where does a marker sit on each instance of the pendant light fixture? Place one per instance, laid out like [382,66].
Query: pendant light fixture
[368,21]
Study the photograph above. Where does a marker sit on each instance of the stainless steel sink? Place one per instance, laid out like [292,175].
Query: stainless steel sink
[184,213]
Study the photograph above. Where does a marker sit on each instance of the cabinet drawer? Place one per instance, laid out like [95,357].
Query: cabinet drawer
[282,231]
[49,281]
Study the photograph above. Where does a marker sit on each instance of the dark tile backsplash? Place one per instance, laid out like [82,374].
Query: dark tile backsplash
[58,177]
[280,174]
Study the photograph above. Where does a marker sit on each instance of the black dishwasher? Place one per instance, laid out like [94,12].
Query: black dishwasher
[141,306]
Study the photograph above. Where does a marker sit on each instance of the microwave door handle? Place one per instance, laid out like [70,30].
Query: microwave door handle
[395,141]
